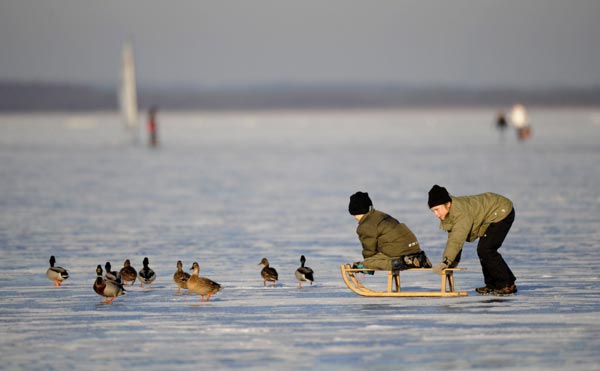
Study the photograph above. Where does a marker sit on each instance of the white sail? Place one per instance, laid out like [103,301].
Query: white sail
[128,94]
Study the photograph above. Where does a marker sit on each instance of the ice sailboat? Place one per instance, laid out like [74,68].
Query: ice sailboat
[128,93]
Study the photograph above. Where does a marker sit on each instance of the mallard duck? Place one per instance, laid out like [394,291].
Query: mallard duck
[56,274]
[128,273]
[146,275]
[180,277]
[268,273]
[112,275]
[201,285]
[107,288]
[304,273]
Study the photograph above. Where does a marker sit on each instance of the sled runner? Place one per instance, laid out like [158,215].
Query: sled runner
[393,283]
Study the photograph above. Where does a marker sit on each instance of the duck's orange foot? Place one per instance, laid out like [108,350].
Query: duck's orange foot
[109,300]
[56,283]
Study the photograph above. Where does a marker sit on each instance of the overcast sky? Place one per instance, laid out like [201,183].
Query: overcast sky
[528,43]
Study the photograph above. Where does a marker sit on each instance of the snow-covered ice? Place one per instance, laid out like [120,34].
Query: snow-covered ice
[226,189]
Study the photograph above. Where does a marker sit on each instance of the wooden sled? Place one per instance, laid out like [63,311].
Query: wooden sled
[393,284]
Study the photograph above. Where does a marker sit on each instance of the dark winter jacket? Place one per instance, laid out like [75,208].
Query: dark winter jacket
[379,232]
[469,218]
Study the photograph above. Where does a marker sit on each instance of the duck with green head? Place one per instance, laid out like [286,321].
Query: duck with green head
[304,273]
[112,275]
[146,274]
[107,288]
[55,273]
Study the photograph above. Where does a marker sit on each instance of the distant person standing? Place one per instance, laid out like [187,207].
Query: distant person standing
[152,127]
[501,123]
[520,121]
[486,216]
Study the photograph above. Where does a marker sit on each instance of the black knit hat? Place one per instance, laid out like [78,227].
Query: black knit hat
[438,196]
[360,203]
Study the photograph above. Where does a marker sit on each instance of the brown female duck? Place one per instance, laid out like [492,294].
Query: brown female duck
[268,273]
[181,278]
[201,285]
[128,273]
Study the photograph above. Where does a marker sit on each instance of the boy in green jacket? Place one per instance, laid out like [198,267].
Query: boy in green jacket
[487,216]
[386,243]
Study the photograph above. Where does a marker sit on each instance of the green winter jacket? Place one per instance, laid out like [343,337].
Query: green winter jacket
[379,232]
[469,218]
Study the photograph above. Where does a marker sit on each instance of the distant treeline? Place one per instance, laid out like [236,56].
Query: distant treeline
[18,96]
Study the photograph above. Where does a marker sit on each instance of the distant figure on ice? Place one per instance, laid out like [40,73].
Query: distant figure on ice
[518,117]
[387,244]
[487,216]
[501,123]
[524,132]
[152,127]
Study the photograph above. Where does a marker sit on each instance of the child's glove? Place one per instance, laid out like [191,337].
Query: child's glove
[438,268]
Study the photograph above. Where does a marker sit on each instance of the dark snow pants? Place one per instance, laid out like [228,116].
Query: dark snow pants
[496,272]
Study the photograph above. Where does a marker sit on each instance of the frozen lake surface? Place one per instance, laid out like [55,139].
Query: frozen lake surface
[226,189]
